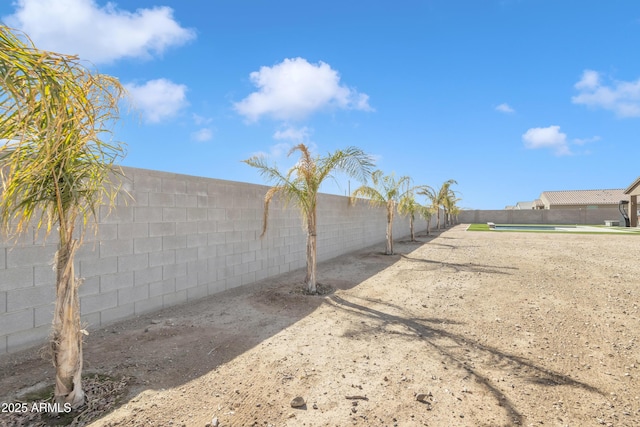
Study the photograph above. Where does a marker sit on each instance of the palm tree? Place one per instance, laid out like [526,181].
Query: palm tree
[437,197]
[56,171]
[454,211]
[409,206]
[386,190]
[426,212]
[449,205]
[301,184]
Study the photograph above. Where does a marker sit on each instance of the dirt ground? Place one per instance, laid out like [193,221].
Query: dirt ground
[459,329]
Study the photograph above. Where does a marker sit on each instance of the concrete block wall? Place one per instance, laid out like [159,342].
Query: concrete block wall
[541,216]
[177,238]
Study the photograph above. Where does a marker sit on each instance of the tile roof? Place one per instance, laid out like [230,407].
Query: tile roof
[584,197]
[630,189]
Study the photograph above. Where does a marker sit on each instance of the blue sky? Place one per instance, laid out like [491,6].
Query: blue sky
[508,97]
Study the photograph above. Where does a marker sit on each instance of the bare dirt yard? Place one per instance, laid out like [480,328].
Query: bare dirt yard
[460,329]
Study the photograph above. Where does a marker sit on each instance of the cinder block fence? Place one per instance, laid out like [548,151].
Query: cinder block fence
[178,239]
[541,216]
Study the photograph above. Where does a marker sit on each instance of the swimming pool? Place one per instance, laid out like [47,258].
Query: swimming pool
[535,227]
[560,228]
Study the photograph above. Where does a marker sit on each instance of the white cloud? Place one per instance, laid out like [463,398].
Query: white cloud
[100,34]
[202,135]
[549,137]
[205,133]
[295,89]
[289,137]
[583,141]
[297,135]
[623,98]
[505,108]
[158,99]
[590,80]
[276,151]
[200,120]
[362,102]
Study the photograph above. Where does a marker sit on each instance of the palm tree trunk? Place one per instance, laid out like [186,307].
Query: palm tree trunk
[310,280]
[413,236]
[66,342]
[390,207]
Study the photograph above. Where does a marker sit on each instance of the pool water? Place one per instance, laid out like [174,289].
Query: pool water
[532,227]
[562,228]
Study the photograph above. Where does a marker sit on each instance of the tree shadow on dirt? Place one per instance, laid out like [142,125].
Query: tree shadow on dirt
[426,330]
[442,237]
[444,245]
[438,233]
[468,267]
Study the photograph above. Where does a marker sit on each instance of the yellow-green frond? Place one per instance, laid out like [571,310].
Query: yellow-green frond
[370,193]
[54,116]
[384,188]
[301,183]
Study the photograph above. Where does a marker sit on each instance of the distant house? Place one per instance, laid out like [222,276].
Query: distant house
[536,204]
[524,205]
[632,192]
[583,199]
